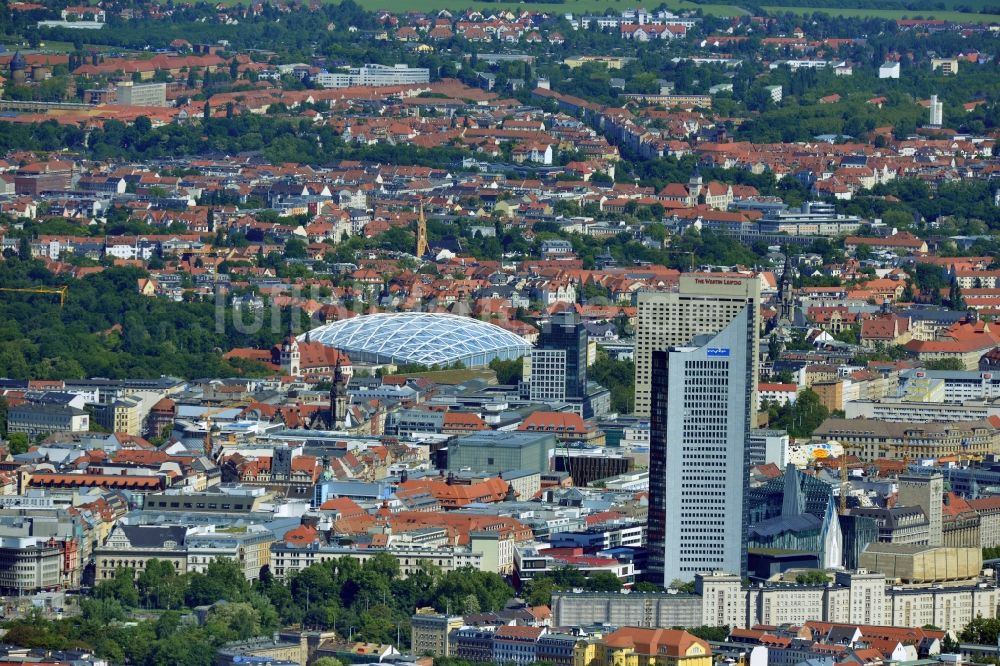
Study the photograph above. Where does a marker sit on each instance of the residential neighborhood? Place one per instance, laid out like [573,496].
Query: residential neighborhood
[508,334]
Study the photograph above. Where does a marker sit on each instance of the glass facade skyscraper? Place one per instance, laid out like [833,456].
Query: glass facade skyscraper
[559,360]
[696,371]
[700,453]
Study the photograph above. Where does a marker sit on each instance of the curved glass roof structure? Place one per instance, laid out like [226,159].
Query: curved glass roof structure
[427,338]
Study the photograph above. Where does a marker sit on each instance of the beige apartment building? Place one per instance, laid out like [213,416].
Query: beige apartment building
[871,439]
[429,632]
[132,546]
[855,597]
[123,414]
[703,304]
[988,509]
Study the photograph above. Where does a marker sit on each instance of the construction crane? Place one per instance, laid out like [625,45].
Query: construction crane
[58,291]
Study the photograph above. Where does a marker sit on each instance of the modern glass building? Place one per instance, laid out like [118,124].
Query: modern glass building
[426,338]
[559,361]
[699,452]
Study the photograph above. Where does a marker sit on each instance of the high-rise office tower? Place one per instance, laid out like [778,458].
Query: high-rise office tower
[559,360]
[696,375]
[704,303]
[927,492]
[699,457]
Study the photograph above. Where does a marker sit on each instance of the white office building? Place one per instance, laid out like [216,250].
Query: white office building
[546,374]
[769,446]
[958,385]
[374,75]
[141,94]
[889,70]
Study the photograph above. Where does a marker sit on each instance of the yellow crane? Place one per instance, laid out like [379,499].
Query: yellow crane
[57,291]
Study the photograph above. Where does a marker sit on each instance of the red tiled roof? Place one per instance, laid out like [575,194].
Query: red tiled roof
[519,633]
[555,422]
[669,642]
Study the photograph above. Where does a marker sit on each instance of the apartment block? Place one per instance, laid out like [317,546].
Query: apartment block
[429,632]
[857,597]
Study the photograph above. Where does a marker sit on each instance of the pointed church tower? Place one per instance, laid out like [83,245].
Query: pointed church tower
[785,297]
[421,233]
[291,358]
[338,398]
[793,503]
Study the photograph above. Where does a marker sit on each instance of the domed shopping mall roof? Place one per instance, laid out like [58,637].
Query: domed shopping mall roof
[426,338]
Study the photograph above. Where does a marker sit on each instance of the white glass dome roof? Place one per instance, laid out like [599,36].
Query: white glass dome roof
[426,338]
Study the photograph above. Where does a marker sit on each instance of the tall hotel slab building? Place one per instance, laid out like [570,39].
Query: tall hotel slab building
[696,376]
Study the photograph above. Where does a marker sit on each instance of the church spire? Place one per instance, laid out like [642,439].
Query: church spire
[785,296]
[793,503]
[338,397]
[421,233]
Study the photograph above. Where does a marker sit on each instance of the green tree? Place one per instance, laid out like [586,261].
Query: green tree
[801,417]
[955,298]
[773,347]
[223,579]
[233,621]
[567,577]
[981,631]
[461,589]
[121,588]
[930,278]
[508,372]
[327,661]
[618,377]
[848,334]
[377,625]
[159,585]
[945,364]
[18,443]
[603,581]
[707,633]
[295,248]
[538,591]
[900,219]
[682,586]
[102,611]
[812,578]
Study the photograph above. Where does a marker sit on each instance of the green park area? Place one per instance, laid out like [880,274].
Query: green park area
[861,12]
[568,6]
[954,10]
